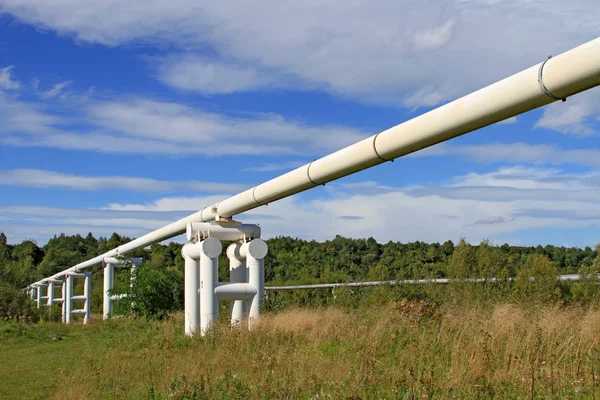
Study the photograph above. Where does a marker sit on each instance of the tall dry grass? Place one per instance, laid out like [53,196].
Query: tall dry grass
[403,350]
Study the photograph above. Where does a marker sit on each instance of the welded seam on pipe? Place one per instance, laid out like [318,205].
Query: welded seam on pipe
[543,86]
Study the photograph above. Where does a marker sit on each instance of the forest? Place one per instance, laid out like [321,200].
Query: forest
[296,261]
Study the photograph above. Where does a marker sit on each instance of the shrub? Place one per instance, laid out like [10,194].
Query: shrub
[537,280]
[15,305]
[153,294]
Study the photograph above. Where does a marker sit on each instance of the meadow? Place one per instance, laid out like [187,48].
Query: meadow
[390,350]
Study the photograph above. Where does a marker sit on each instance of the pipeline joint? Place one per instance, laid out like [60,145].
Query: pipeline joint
[375,149]
[543,87]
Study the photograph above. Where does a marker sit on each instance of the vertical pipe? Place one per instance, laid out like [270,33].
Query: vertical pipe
[68,302]
[39,296]
[50,292]
[237,274]
[87,292]
[209,266]
[64,302]
[192,297]
[109,282]
[255,252]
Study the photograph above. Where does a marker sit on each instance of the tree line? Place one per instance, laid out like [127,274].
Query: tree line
[297,261]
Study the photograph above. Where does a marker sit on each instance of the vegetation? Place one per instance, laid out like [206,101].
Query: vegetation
[521,338]
[395,350]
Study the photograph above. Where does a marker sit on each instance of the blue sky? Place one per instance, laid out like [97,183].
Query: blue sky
[124,115]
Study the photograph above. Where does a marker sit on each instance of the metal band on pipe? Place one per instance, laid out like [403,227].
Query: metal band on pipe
[254,196]
[543,86]
[375,149]
[308,173]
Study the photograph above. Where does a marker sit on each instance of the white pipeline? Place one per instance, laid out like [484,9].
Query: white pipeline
[557,78]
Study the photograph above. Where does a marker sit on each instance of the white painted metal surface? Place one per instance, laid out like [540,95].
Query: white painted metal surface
[237,274]
[110,263]
[440,281]
[228,231]
[255,252]
[210,249]
[191,288]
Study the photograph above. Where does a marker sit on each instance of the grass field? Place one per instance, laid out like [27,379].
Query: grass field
[402,350]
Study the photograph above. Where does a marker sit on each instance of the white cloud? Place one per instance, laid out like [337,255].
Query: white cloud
[576,116]
[56,90]
[379,50]
[51,179]
[435,37]
[6,81]
[515,153]
[476,206]
[201,74]
[148,126]
[275,167]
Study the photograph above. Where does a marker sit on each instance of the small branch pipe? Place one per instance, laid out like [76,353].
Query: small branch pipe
[237,274]
[210,250]
[235,291]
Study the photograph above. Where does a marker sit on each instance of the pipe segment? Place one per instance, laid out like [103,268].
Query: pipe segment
[563,76]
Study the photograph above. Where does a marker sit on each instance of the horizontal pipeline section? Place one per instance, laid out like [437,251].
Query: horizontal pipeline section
[441,281]
[557,78]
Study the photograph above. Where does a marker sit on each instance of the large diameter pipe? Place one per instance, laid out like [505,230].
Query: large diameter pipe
[227,232]
[191,287]
[562,76]
[109,281]
[209,276]
[255,252]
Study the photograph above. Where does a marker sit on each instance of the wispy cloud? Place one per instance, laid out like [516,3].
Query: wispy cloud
[505,203]
[55,90]
[515,153]
[6,81]
[51,179]
[275,167]
[125,124]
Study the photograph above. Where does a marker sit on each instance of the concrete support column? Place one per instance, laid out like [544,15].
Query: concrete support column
[237,274]
[109,282]
[210,249]
[255,252]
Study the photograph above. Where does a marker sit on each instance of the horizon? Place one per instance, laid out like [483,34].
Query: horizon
[111,122]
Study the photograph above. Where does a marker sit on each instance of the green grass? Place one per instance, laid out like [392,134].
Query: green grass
[398,350]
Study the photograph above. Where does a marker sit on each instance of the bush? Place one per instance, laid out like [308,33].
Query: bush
[537,280]
[153,294]
[15,305]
